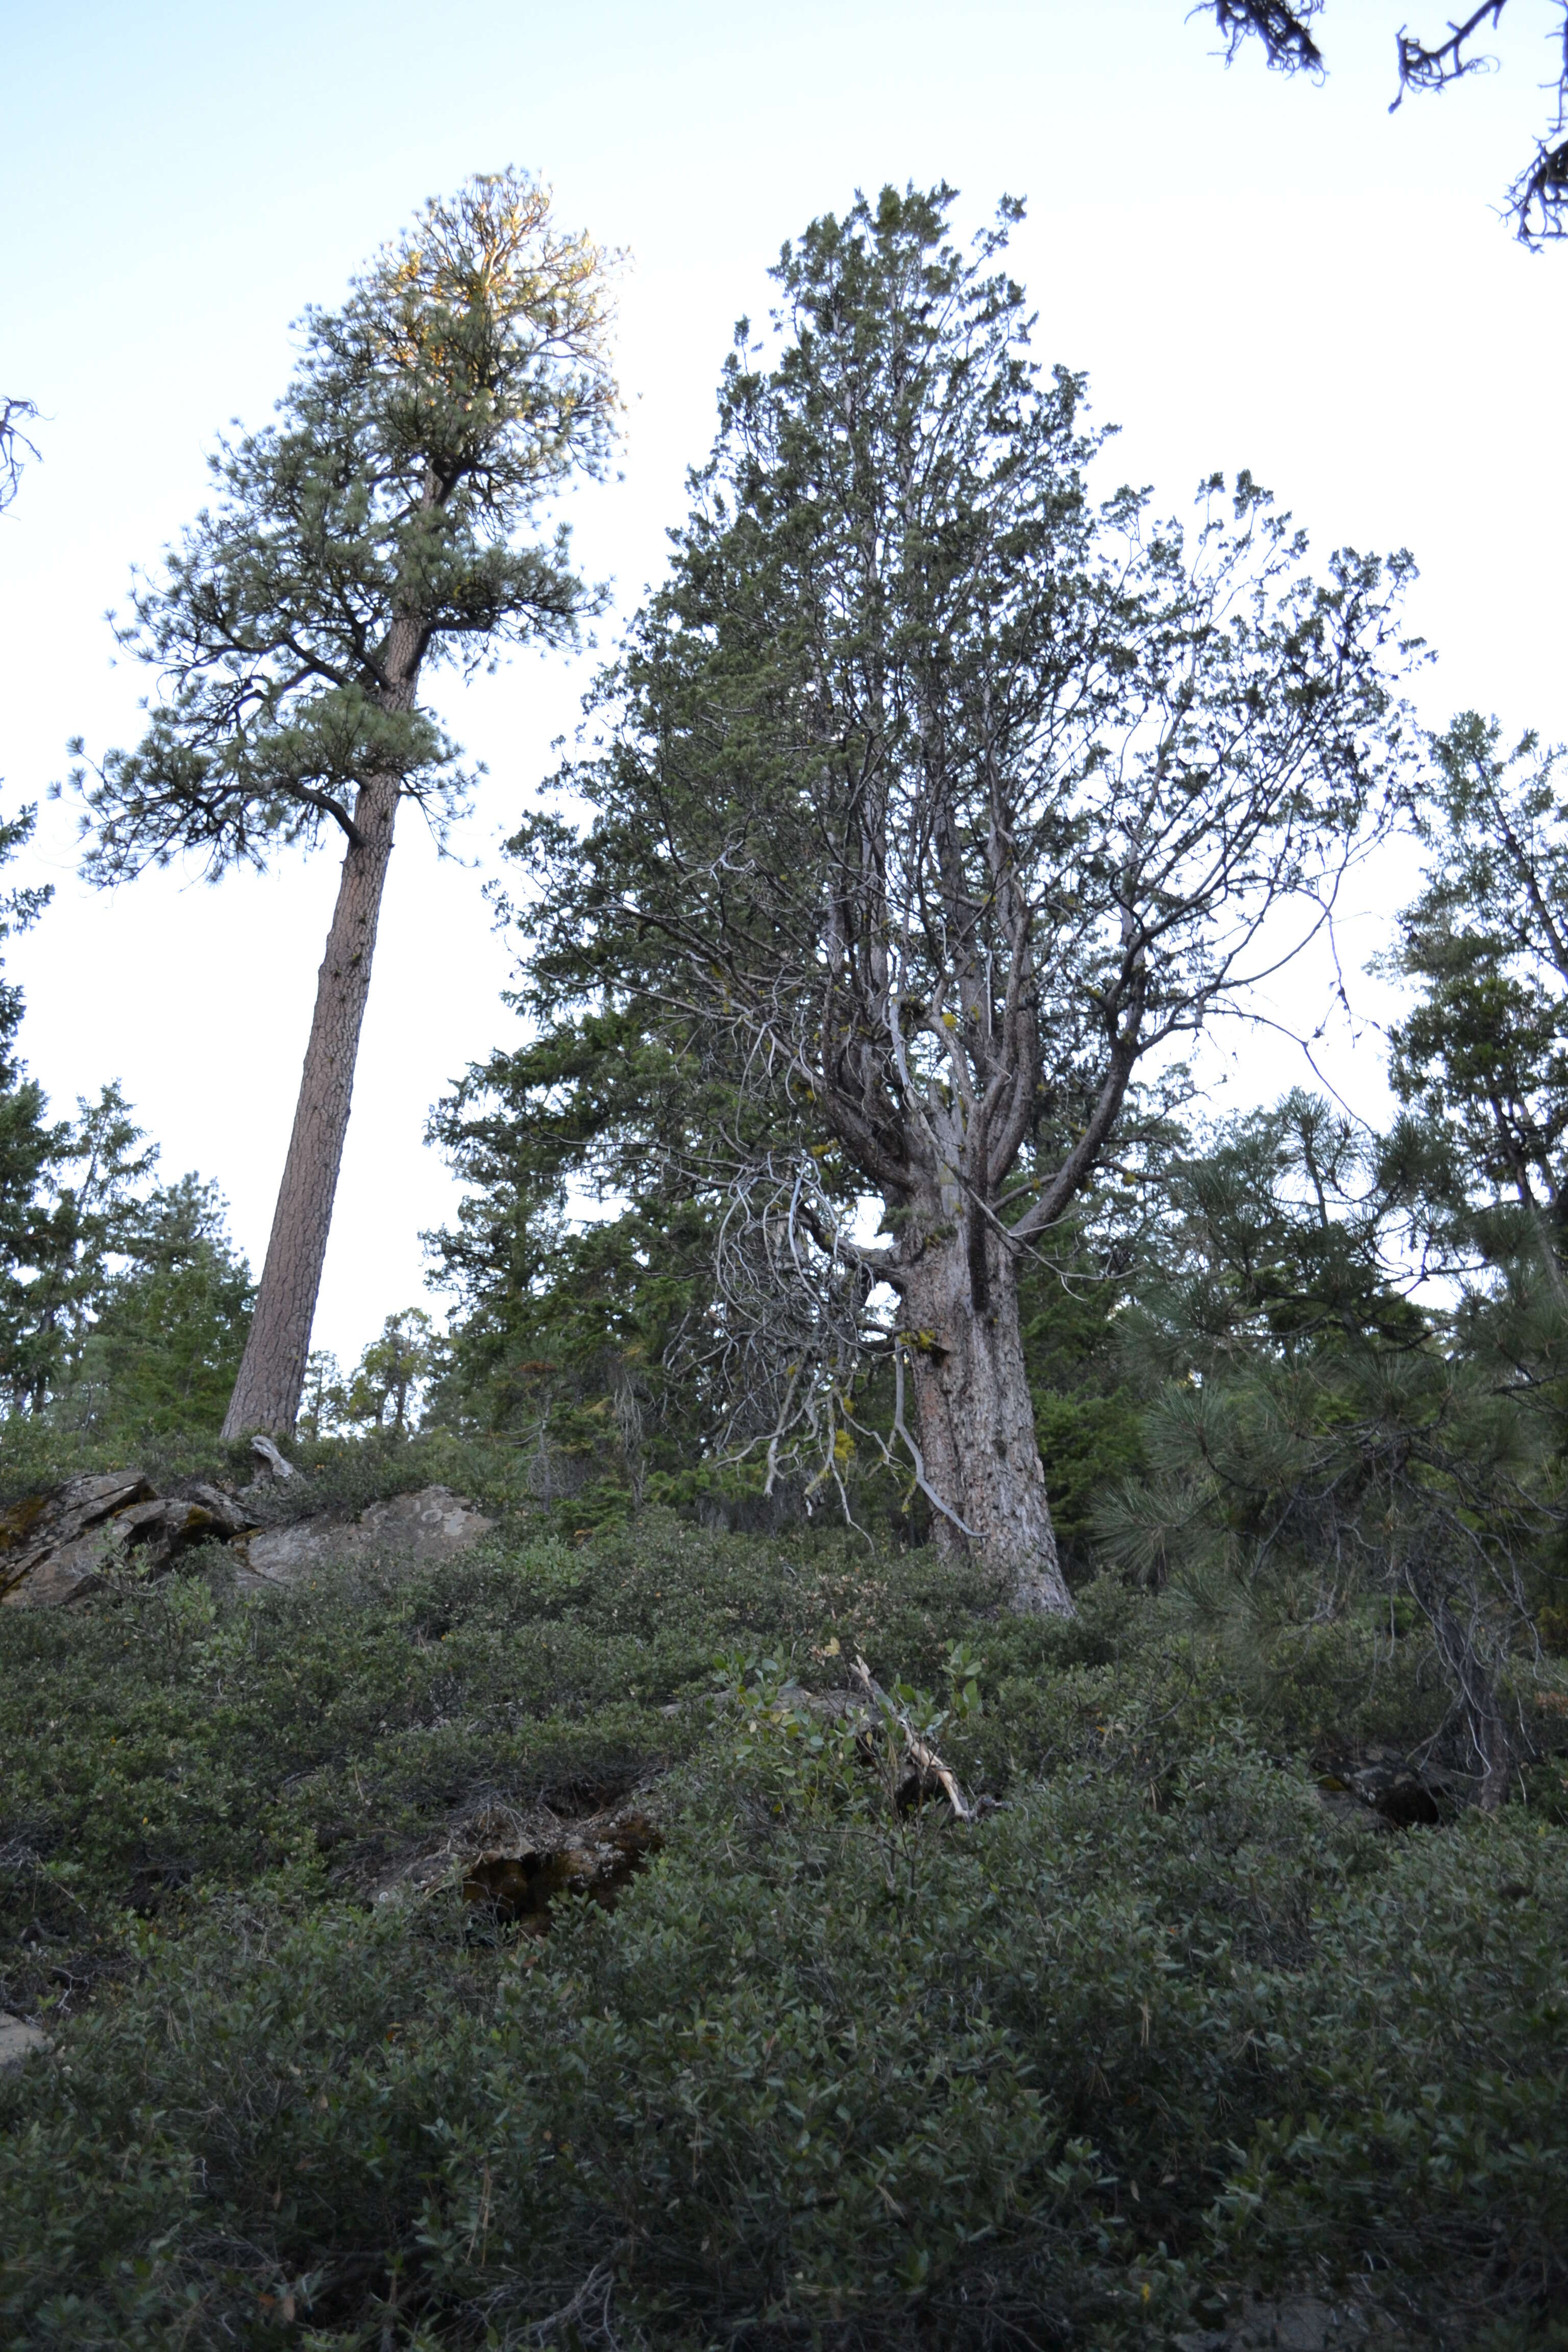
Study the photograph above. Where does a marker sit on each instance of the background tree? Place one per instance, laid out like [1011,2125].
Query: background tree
[323,1385]
[1323,1438]
[123,1306]
[387,1385]
[945,796]
[1538,197]
[577,1339]
[162,1349]
[1480,1060]
[32,1147]
[372,532]
[1483,1056]
[1328,1423]
[74,1231]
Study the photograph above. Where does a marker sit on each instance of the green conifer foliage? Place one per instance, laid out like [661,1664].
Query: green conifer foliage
[1483,1056]
[162,1351]
[387,1385]
[31,1149]
[1320,1441]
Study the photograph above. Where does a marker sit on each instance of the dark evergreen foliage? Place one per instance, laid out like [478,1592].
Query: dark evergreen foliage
[169,1323]
[458,383]
[122,1309]
[31,1149]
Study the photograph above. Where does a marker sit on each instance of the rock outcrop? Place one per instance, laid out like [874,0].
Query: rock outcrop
[58,1547]
[413,1530]
[19,2041]
[61,1547]
[1386,1789]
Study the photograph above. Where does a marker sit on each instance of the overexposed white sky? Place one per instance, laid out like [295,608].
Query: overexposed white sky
[1253,272]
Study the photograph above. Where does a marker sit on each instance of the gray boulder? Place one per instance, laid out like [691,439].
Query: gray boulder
[58,1548]
[19,2041]
[409,1530]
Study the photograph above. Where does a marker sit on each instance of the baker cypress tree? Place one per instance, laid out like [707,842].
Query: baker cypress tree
[931,798]
[384,524]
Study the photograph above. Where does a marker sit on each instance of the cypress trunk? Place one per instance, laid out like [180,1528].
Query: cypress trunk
[974,1419]
[272,1371]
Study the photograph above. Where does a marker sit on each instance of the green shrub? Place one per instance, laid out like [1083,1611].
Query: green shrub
[1159,2025]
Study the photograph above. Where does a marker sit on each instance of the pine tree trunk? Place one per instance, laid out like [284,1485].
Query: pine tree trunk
[973,1416]
[272,1371]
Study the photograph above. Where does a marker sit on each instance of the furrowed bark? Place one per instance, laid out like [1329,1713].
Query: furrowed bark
[272,1371]
[975,1418]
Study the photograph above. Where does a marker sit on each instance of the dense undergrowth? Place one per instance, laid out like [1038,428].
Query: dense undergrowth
[1161,2026]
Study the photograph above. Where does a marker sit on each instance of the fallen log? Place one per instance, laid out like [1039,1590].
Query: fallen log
[929,1767]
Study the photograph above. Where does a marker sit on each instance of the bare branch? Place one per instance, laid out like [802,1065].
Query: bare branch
[1284,32]
[15,445]
[1423,68]
[1537,202]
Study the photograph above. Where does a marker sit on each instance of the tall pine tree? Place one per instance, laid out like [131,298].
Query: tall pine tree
[381,526]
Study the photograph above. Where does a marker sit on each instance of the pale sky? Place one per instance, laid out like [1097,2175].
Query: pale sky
[1253,272]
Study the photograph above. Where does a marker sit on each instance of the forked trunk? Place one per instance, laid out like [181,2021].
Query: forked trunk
[973,1417]
[272,1371]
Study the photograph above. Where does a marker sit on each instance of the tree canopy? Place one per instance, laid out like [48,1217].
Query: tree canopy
[372,529]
